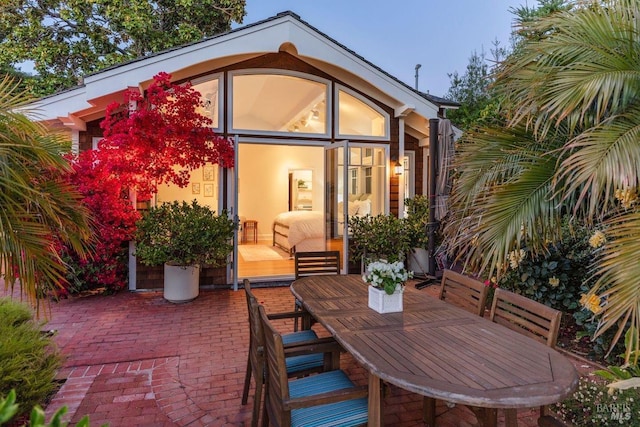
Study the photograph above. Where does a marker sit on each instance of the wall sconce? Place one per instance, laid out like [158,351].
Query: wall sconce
[398,169]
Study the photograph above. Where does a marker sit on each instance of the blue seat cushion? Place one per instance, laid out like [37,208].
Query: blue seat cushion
[341,414]
[299,336]
[304,362]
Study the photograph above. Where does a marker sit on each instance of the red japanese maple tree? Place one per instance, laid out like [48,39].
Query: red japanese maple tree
[148,140]
[162,139]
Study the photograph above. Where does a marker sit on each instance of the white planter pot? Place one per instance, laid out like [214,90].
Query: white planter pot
[181,283]
[418,261]
[382,302]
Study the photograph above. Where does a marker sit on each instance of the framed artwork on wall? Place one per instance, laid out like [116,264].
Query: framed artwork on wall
[195,188]
[208,190]
[208,173]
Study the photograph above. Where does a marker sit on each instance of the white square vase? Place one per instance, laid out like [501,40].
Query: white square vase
[382,302]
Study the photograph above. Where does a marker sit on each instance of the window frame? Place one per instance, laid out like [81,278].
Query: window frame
[221,85]
[285,73]
[370,104]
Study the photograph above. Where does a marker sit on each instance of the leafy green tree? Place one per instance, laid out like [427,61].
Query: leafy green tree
[471,90]
[571,145]
[68,39]
[40,209]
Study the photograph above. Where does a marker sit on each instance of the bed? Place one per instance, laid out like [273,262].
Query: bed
[299,231]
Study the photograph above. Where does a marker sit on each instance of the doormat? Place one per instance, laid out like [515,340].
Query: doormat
[261,253]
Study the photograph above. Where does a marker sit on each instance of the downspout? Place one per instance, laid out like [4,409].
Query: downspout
[433,224]
[401,177]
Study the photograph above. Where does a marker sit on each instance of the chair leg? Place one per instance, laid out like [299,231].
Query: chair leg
[543,411]
[247,382]
[257,404]
[296,308]
[487,417]
[429,411]
[511,417]
[265,413]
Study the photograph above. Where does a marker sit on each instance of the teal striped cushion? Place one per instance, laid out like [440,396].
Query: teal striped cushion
[304,362]
[298,336]
[307,361]
[341,414]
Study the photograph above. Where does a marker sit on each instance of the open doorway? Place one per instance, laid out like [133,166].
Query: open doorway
[280,206]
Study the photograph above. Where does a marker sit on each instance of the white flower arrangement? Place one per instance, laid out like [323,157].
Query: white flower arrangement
[388,276]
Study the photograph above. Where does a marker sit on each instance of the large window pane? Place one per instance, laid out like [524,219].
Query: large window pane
[279,103]
[210,100]
[355,117]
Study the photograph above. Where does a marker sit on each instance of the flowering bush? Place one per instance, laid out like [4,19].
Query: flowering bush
[387,276]
[554,279]
[593,404]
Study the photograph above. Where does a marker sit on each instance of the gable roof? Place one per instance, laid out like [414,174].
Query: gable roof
[80,103]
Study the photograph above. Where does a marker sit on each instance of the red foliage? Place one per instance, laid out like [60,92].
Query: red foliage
[160,141]
[163,139]
[114,219]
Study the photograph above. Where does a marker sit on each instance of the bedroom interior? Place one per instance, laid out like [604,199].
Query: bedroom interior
[286,198]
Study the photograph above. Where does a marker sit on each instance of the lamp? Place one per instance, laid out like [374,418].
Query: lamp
[398,168]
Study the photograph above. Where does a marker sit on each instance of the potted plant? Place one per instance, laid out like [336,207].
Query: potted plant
[416,223]
[386,285]
[183,237]
[378,237]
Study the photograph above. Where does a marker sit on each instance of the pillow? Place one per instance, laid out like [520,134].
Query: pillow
[353,208]
[364,196]
[364,208]
[353,197]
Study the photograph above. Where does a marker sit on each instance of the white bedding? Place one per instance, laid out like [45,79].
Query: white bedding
[302,225]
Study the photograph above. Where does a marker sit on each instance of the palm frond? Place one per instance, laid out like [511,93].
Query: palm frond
[618,271]
[39,206]
[602,160]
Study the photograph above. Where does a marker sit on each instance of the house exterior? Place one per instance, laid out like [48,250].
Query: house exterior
[318,129]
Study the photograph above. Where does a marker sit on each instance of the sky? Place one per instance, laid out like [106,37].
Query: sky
[440,35]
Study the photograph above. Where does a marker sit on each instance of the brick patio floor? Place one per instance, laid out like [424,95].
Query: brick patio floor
[133,359]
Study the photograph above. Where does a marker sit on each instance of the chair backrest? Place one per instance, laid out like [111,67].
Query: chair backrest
[464,291]
[526,316]
[256,336]
[278,384]
[317,263]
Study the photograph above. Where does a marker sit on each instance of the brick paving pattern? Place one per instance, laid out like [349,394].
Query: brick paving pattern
[133,359]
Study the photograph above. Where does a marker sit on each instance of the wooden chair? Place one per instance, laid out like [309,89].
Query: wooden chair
[322,399]
[530,318]
[526,316]
[326,356]
[316,263]
[464,291]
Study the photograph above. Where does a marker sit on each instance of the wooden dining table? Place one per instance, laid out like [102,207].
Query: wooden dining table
[436,349]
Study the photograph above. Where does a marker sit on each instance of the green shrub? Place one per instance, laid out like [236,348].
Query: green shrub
[555,279]
[381,236]
[9,408]
[29,361]
[179,233]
